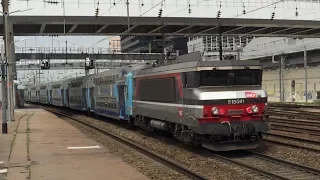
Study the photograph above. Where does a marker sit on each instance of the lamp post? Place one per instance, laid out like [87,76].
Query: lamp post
[8,58]
[11,81]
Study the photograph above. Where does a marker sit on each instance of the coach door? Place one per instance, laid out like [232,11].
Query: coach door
[84,98]
[50,96]
[91,94]
[62,97]
[122,90]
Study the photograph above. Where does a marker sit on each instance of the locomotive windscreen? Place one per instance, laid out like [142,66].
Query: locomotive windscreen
[158,90]
[231,77]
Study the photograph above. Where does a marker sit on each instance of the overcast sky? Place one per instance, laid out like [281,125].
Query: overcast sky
[179,8]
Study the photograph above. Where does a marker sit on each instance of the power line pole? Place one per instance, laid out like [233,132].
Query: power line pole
[306,73]
[281,79]
[128,16]
[5,9]
[220,44]
[4,94]
[66,52]
[39,69]
[3,68]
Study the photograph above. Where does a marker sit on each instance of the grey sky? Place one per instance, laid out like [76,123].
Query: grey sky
[75,42]
[178,8]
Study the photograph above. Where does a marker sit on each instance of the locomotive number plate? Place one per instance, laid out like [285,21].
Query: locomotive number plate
[236,101]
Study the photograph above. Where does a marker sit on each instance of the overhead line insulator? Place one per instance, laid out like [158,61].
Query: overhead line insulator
[272,16]
[97,12]
[160,13]
[52,2]
[218,14]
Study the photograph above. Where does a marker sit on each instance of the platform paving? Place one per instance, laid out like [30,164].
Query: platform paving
[47,148]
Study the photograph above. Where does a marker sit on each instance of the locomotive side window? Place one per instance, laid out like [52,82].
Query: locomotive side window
[230,77]
[158,90]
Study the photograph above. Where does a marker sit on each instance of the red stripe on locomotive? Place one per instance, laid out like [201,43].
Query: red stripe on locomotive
[208,117]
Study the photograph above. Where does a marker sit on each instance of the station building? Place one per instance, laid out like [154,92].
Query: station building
[299,72]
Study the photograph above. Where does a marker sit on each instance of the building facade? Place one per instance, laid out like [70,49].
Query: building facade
[141,44]
[115,44]
[296,77]
[209,45]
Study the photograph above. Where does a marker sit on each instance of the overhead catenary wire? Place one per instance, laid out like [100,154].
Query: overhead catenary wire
[114,4]
[97,9]
[152,8]
[266,6]
[229,3]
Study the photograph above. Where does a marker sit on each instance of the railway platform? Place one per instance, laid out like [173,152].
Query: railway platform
[41,146]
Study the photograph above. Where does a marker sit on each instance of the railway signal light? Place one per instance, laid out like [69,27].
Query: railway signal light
[52,2]
[89,63]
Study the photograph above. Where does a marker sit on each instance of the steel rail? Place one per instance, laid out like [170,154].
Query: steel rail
[294,139]
[296,122]
[258,163]
[310,131]
[291,164]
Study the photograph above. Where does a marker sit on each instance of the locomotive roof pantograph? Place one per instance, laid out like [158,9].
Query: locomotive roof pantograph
[194,62]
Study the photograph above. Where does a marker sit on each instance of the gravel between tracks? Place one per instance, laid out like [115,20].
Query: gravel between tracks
[295,155]
[297,135]
[209,167]
[142,163]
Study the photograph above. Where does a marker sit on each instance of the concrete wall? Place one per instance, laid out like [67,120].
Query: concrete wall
[271,83]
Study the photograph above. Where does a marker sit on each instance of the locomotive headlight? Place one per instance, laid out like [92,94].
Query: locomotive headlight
[255,109]
[215,111]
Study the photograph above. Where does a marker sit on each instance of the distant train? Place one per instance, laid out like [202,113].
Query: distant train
[219,105]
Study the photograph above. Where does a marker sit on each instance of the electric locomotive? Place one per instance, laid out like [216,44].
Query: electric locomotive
[219,105]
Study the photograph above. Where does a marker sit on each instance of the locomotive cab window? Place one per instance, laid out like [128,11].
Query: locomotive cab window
[230,77]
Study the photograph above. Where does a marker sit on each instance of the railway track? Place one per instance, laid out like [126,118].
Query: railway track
[257,163]
[295,129]
[276,105]
[174,165]
[310,123]
[281,139]
[294,113]
[270,167]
